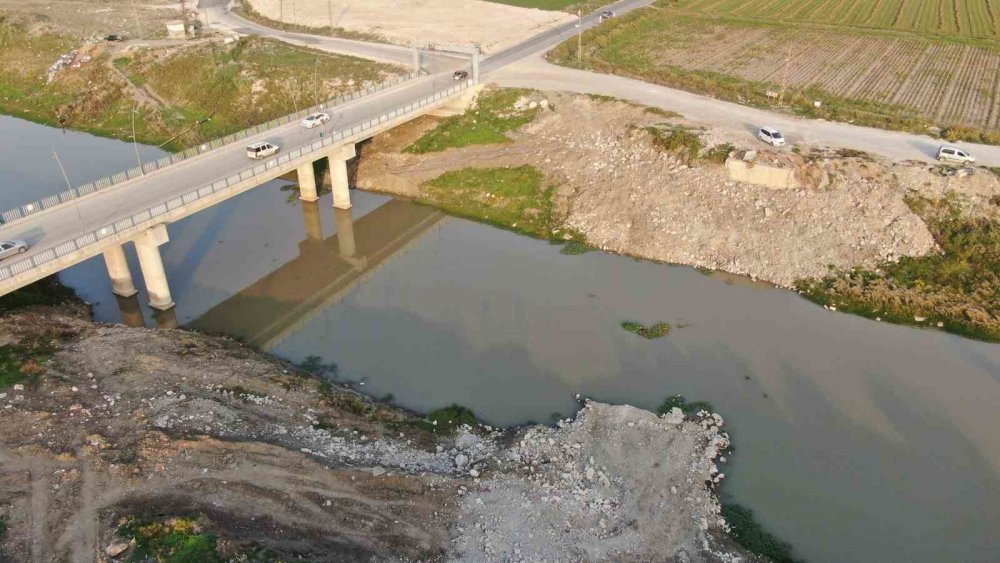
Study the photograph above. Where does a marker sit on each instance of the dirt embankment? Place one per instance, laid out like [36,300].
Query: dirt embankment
[111,433]
[628,195]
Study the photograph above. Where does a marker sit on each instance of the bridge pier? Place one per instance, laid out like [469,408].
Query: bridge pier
[307,182]
[345,232]
[147,246]
[312,221]
[121,278]
[338,175]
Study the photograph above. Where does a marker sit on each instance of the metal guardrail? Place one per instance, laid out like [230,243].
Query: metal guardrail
[18,213]
[150,214]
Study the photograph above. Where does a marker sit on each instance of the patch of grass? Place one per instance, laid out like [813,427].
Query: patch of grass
[47,291]
[510,198]
[751,535]
[575,248]
[23,361]
[719,153]
[315,366]
[680,141]
[958,288]
[175,540]
[487,123]
[448,419]
[656,330]
[678,401]
[572,6]
[665,114]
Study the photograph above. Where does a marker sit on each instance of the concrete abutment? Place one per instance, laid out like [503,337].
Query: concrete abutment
[121,277]
[339,181]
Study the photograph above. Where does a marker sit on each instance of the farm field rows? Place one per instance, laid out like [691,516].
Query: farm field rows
[958,18]
[924,81]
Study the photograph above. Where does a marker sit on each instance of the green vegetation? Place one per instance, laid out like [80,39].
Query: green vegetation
[176,540]
[181,98]
[448,419]
[678,401]
[488,123]
[315,366]
[751,535]
[47,291]
[657,330]
[681,141]
[575,248]
[957,289]
[23,361]
[510,198]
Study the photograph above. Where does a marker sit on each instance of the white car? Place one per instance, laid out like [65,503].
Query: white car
[315,120]
[954,154]
[9,248]
[771,136]
[261,150]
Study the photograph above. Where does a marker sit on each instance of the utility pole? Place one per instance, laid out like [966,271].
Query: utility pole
[579,37]
[135,15]
[281,10]
[329,10]
[784,76]
[63,170]
[135,144]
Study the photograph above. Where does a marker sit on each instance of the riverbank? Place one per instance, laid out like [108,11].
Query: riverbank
[649,184]
[170,93]
[200,438]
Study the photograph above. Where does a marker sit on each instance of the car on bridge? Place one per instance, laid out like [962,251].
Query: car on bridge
[11,247]
[261,150]
[460,75]
[607,15]
[315,120]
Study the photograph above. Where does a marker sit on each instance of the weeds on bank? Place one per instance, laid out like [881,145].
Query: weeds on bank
[176,540]
[678,401]
[751,535]
[510,198]
[657,330]
[245,10]
[23,361]
[47,291]
[488,123]
[957,289]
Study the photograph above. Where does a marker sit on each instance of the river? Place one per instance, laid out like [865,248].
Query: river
[854,440]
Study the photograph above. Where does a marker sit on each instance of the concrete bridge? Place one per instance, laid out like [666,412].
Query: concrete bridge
[327,269]
[137,205]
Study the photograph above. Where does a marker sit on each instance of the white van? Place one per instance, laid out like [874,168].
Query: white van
[261,150]
[954,154]
[771,136]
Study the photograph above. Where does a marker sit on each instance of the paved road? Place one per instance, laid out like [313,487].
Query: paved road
[52,227]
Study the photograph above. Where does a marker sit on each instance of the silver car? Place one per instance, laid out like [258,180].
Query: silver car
[9,248]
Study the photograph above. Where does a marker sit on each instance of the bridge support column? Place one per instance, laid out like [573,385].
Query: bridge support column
[147,246]
[338,176]
[121,277]
[307,182]
[345,232]
[131,311]
[312,221]
[416,60]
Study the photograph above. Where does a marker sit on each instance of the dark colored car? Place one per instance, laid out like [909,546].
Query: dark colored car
[115,37]
[607,15]
[460,75]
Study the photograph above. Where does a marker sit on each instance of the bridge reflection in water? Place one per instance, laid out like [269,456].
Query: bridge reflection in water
[326,270]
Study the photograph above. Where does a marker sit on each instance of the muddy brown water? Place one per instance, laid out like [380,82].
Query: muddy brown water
[855,440]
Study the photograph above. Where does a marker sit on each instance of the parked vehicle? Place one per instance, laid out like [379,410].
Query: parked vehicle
[607,15]
[954,154]
[115,37]
[315,120]
[460,75]
[261,150]
[771,136]
[11,247]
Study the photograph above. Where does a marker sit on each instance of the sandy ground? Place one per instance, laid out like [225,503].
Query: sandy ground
[419,22]
[154,424]
[85,18]
[626,195]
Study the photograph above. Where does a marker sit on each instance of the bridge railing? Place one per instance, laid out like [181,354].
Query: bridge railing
[148,217]
[18,213]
